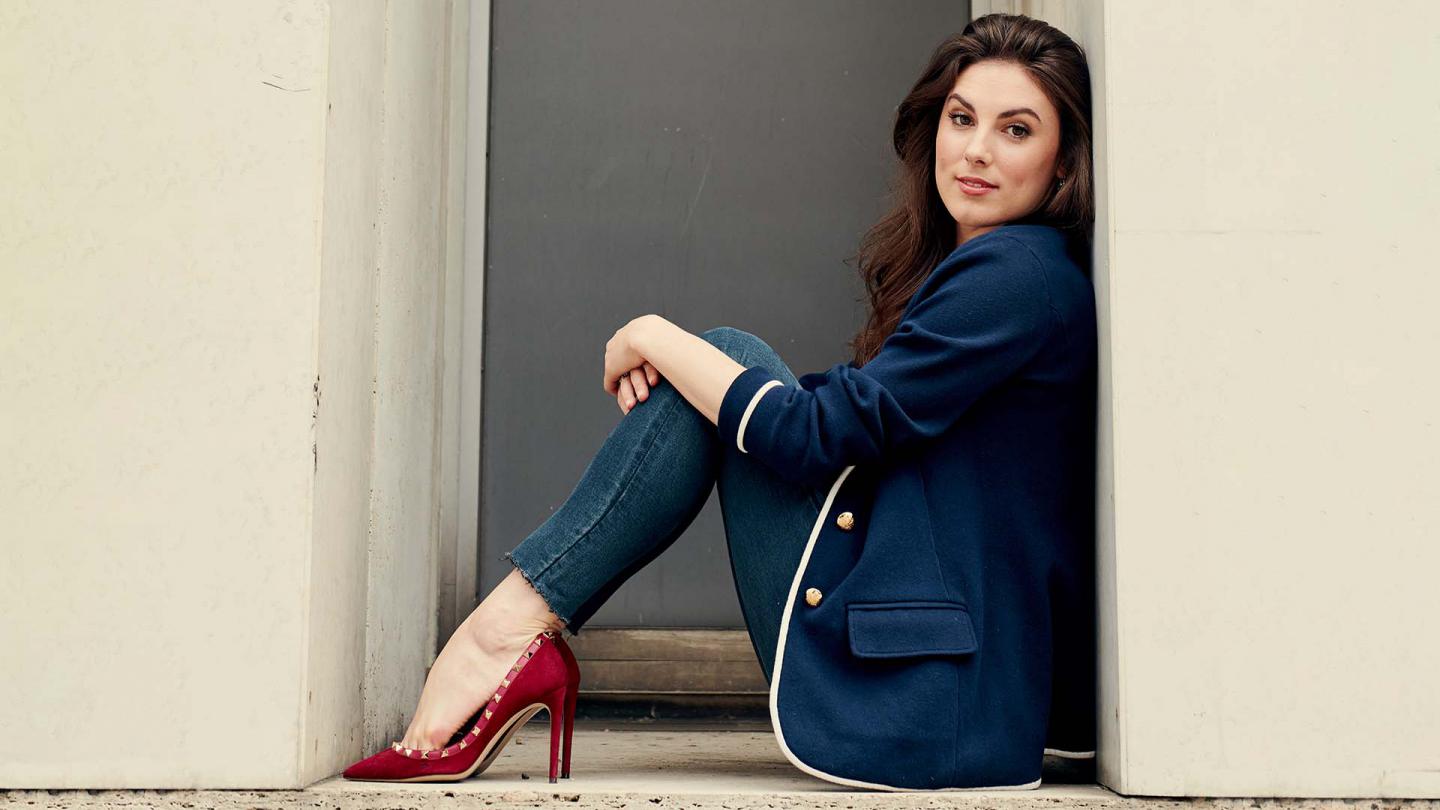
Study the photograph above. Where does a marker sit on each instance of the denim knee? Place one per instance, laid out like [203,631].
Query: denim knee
[748,350]
[736,343]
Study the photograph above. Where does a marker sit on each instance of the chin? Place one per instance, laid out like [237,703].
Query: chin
[972,222]
[976,213]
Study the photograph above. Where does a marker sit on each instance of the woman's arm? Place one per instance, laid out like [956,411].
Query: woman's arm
[700,372]
[978,320]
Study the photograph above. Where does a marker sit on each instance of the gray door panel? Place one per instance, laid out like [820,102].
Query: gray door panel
[714,162]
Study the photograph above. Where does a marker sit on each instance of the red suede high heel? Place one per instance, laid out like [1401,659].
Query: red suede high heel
[572,692]
[545,676]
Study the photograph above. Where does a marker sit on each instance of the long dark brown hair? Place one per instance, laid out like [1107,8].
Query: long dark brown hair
[900,250]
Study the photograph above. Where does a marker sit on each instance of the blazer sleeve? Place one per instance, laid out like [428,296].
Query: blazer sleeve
[974,323]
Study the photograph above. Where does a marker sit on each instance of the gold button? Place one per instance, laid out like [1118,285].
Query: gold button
[845,521]
[812,596]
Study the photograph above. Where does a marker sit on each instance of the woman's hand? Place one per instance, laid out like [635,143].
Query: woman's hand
[628,376]
[635,386]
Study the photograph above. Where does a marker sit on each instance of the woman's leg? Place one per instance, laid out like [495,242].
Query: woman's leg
[647,484]
[644,486]
[767,518]
[638,494]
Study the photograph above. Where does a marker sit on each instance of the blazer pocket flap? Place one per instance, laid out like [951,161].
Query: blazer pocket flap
[900,629]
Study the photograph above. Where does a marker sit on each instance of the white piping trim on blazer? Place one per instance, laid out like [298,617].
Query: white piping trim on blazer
[780,659]
[744,420]
[1056,752]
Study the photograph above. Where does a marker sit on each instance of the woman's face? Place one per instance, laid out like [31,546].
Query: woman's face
[997,125]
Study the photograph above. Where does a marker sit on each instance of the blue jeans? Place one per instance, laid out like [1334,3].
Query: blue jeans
[646,484]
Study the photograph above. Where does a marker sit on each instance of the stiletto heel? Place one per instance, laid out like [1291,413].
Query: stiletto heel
[572,691]
[556,706]
[540,679]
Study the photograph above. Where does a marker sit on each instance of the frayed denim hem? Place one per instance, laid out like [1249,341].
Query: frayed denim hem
[551,599]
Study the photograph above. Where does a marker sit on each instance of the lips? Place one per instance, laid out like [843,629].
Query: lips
[974,182]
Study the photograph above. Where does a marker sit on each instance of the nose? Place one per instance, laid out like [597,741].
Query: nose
[977,149]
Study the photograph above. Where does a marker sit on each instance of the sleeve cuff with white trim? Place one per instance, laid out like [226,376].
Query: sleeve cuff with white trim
[738,404]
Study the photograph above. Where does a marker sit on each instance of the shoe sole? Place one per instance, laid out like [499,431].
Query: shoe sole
[492,751]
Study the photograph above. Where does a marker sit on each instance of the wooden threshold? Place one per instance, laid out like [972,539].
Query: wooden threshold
[669,662]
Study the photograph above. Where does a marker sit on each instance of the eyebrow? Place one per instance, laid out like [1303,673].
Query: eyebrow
[1007,113]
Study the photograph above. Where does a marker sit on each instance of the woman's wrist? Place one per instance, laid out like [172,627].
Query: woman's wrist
[698,369]
[654,330]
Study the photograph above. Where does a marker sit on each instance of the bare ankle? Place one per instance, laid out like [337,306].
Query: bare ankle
[512,612]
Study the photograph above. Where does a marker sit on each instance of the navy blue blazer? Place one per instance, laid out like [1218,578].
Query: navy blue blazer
[939,632]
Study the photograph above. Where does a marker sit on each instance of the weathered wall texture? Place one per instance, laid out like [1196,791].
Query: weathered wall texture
[1272,180]
[222,273]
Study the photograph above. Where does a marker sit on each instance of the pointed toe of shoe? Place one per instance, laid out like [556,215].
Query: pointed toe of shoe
[383,765]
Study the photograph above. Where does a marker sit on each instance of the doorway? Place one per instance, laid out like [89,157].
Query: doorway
[716,163]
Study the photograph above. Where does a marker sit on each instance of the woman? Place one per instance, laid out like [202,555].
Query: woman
[911,532]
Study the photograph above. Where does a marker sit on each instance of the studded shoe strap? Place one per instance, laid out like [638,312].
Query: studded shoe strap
[490,706]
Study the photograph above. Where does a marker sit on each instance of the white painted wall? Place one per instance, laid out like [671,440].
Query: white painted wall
[1269,532]
[1273,187]
[223,271]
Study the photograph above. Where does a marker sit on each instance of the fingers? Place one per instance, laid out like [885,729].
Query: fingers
[639,383]
[634,386]
[625,394]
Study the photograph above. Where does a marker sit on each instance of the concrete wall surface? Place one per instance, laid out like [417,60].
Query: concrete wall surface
[222,272]
[1270,451]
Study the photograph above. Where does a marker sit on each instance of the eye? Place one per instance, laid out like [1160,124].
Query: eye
[1024,131]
